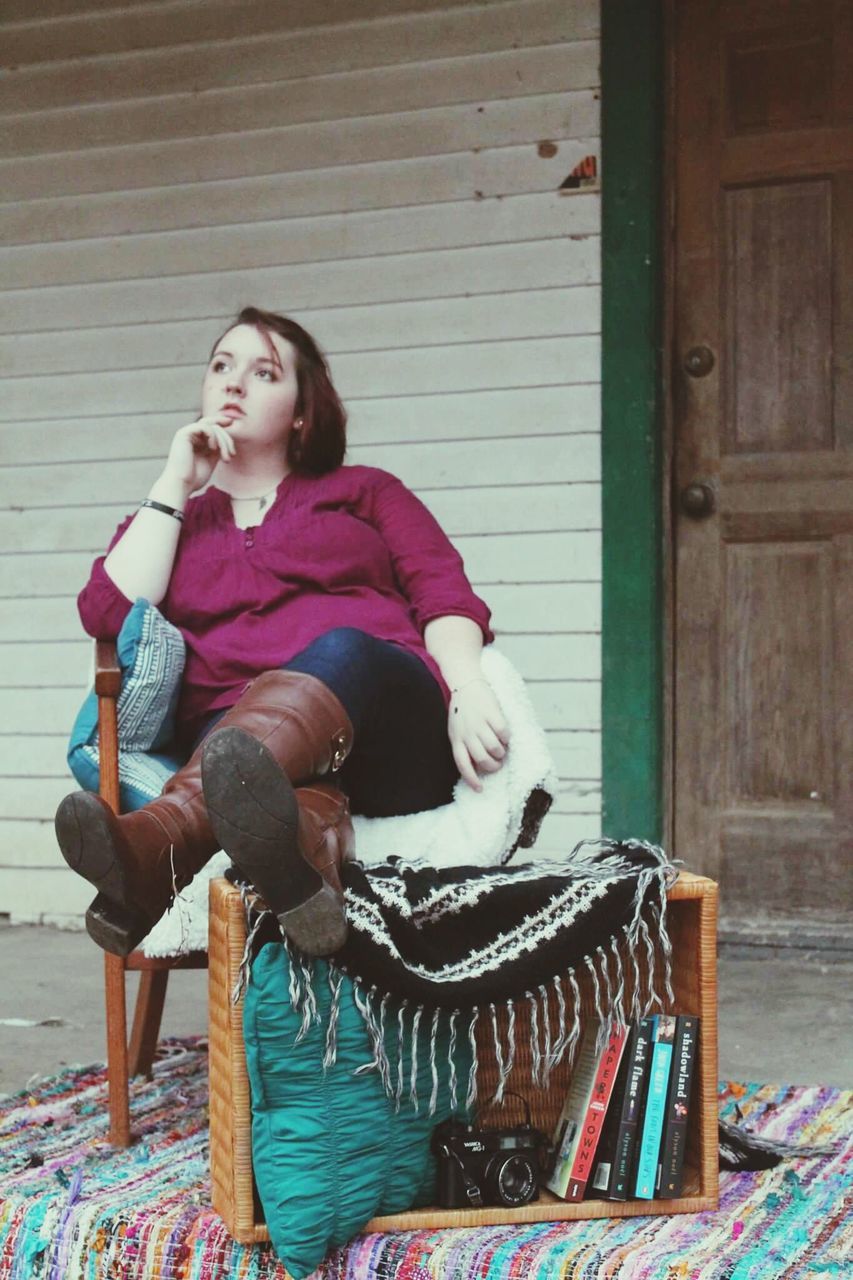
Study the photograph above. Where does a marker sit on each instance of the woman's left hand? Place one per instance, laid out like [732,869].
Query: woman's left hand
[478,731]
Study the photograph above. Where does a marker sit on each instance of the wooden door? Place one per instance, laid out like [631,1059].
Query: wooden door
[761,120]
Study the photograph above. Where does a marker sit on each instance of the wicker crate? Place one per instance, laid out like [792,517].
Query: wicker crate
[692,915]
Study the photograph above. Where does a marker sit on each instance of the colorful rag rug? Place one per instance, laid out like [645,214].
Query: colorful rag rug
[72,1208]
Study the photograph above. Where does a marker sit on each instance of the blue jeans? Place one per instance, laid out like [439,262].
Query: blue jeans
[401,761]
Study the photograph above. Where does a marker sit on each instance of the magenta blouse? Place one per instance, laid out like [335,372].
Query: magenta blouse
[353,548]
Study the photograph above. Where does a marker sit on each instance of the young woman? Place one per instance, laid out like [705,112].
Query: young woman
[332,650]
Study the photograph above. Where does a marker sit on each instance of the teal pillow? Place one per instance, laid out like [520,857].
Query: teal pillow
[329,1148]
[151,655]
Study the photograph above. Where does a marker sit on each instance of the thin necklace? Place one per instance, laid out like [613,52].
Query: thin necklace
[261,501]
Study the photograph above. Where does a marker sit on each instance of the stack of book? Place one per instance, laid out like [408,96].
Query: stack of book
[623,1128]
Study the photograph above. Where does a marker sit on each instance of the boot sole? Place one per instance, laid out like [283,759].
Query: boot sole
[86,844]
[319,926]
[254,813]
[115,928]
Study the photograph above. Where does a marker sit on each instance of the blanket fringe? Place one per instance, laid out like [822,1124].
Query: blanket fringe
[433,1037]
[471,1096]
[503,1074]
[627,978]
[401,1048]
[451,1061]
[562,1032]
[546,1045]
[254,920]
[310,1014]
[619,997]
[413,1074]
[635,974]
[535,1052]
[575,1035]
[336,981]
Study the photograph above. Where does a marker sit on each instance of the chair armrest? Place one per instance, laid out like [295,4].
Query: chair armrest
[107,670]
[107,687]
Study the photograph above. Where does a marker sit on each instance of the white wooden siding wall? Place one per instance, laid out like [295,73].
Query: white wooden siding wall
[379,178]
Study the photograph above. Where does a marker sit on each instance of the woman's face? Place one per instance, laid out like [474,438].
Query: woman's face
[252,372]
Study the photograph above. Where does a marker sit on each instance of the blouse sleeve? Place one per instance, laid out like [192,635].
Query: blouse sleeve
[427,566]
[102,607]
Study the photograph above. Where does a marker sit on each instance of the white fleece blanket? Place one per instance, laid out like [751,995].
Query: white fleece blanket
[475,829]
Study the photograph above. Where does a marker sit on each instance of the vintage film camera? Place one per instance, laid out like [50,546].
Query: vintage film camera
[479,1166]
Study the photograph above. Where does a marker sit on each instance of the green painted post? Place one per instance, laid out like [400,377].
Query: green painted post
[632,596]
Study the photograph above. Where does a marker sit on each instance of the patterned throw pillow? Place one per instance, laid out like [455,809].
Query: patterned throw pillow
[151,655]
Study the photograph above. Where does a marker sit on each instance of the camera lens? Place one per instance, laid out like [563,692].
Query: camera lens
[512,1180]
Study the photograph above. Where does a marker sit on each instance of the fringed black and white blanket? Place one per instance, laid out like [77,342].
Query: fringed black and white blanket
[466,937]
[452,945]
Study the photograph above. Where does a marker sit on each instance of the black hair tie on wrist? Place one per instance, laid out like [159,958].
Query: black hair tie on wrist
[161,506]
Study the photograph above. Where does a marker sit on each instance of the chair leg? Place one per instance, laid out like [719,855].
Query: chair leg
[150,999]
[117,1074]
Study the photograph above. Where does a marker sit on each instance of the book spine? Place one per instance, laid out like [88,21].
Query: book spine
[674,1141]
[605,1079]
[605,1155]
[647,1158]
[568,1131]
[632,1106]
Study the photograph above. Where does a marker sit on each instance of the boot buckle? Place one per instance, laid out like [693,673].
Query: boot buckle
[339,752]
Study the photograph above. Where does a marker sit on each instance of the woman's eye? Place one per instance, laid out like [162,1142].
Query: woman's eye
[218,365]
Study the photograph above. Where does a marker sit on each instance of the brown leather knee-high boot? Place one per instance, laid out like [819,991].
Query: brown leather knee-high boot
[289,842]
[312,914]
[139,861]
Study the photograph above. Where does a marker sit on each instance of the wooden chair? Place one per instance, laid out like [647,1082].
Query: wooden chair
[125,1060]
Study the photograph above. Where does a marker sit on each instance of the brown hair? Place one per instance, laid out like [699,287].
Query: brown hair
[320,444]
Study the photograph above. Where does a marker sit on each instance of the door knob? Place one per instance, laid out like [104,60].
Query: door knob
[698,501]
[699,362]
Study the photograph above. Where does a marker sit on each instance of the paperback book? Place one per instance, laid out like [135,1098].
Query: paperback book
[639,1058]
[674,1140]
[652,1127]
[605,1154]
[576,1109]
[605,1079]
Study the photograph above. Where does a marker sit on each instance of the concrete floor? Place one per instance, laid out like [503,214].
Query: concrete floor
[785,1013]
